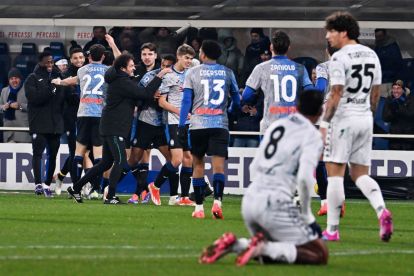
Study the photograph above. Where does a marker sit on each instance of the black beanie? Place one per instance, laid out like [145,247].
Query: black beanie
[14,72]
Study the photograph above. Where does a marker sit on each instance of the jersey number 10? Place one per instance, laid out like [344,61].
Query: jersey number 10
[282,85]
[218,87]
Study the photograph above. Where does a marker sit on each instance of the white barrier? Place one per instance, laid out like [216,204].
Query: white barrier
[16,169]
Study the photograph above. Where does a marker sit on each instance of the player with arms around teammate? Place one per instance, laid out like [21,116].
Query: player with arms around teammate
[206,92]
[171,99]
[347,126]
[285,161]
[115,125]
[149,133]
[281,81]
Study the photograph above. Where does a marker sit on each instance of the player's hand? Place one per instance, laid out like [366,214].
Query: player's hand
[56,81]
[157,95]
[109,39]
[316,228]
[189,116]
[164,71]
[182,135]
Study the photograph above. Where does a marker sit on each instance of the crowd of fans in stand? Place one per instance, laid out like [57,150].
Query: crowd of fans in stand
[396,111]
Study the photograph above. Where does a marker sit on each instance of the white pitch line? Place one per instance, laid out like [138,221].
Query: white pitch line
[372,252]
[156,256]
[116,247]
[96,257]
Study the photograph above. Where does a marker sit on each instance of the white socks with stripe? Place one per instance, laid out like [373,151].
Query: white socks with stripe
[335,195]
[369,187]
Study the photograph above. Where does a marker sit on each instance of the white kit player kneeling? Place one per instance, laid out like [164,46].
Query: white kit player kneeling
[285,161]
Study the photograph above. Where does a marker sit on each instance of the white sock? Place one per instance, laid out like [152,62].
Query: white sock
[218,202]
[199,207]
[323,201]
[369,187]
[240,245]
[280,251]
[45,186]
[335,196]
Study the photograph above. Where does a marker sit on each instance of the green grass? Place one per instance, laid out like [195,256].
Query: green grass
[40,236]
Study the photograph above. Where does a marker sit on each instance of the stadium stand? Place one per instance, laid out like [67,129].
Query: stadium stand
[27,59]
[5,62]
[58,50]
[308,62]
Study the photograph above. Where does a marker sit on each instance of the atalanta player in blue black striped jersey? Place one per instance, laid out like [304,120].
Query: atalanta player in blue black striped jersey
[207,88]
[281,81]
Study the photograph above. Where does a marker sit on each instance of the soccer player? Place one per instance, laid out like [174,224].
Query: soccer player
[347,126]
[280,79]
[207,88]
[149,133]
[93,90]
[171,100]
[77,60]
[285,161]
[322,84]
[115,124]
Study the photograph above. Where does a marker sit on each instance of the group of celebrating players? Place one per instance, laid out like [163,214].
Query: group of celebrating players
[196,101]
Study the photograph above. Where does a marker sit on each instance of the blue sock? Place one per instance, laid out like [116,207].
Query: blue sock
[218,185]
[199,185]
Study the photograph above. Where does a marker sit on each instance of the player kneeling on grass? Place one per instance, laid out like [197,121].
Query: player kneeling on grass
[285,160]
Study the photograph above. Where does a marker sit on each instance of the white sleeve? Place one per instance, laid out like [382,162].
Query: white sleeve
[311,151]
[254,80]
[336,71]
[378,74]
[321,71]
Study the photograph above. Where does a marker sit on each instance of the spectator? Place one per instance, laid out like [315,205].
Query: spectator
[196,44]
[258,44]
[14,105]
[128,42]
[265,55]
[99,33]
[231,55]
[389,55]
[399,112]
[166,41]
[249,120]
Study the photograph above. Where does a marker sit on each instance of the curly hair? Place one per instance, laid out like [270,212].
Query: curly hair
[343,22]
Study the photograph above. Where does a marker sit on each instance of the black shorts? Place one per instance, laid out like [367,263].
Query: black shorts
[210,141]
[88,131]
[173,141]
[148,136]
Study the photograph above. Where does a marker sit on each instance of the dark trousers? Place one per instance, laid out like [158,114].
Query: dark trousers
[51,143]
[114,156]
[71,137]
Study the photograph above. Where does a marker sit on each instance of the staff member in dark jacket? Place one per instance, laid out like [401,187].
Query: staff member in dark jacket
[122,94]
[45,104]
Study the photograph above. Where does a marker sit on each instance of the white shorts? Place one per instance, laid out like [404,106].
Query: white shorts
[278,219]
[349,140]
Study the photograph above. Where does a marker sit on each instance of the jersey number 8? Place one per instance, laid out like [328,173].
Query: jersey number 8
[275,137]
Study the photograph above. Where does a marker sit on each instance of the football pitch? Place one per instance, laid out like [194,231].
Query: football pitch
[40,236]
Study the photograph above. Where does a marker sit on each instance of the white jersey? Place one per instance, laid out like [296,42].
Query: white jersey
[357,68]
[322,71]
[287,143]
